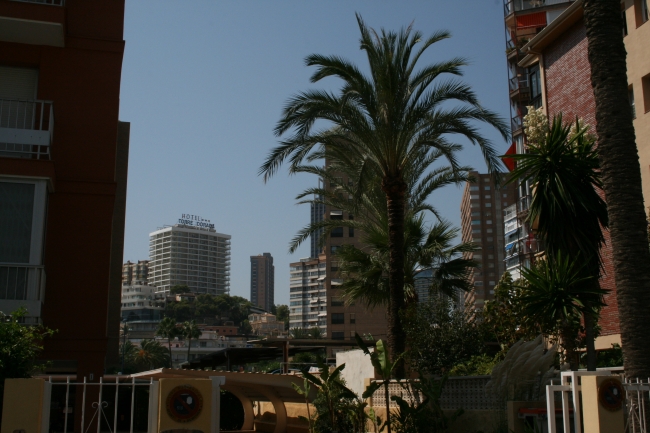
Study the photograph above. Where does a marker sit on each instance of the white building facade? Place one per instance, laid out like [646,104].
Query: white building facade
[140,304]
[308,297]
[185,254]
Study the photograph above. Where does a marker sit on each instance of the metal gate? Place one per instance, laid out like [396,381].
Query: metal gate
[110,406]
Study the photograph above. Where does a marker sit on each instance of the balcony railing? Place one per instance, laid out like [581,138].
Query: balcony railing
[523,203]
[511,6]
[26,128]
[21,282]
[44,2]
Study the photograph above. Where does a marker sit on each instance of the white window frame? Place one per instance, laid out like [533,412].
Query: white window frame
[38,217]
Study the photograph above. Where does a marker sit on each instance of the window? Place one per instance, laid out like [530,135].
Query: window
[338,318]
[474,197]
[473,188]
[337,302]
[476,222]
[490,239]
[487,188]
[478,283]
[353,318]
[641,11]
[489,231]
[476,213]
[489,221]
[488,204]
[535,85]
[351,229]
[337,232]
[487,197]
[334,248]
[623,19]
[630,96]
[492,283]
[22,220]
[505,195]
[645,86]
[338,335]
[203,344]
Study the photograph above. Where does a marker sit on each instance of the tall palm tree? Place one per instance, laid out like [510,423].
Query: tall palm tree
[566,210]
[189,331]
[384,120]
[621,173]
[167,328]
[151,354]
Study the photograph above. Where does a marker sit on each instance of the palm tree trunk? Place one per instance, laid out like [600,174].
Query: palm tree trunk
[395,190]
[569,346]
[621,173]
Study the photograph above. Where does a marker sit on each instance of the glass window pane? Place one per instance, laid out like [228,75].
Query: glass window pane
[16,213]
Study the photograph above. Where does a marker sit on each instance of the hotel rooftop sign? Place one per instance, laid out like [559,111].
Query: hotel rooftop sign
[195,221]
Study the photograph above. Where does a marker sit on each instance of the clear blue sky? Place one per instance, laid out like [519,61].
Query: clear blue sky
[204,82]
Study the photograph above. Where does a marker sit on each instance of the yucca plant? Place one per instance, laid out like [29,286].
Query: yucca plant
[567,210]
[557,293]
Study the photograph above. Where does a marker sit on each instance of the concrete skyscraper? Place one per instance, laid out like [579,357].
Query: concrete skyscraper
[481,213]
[262,281]
[190,253]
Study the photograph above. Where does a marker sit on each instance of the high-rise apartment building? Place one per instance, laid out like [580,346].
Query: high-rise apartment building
[263,281]
[63,174]
[553,64]
[343,321]
[307,294]
[135,273]
[192,255]
[317,215]
[481,213]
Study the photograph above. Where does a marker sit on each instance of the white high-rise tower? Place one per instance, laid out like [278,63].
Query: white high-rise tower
[190,253]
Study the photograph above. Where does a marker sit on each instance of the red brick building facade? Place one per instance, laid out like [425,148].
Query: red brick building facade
[559,52]
[63,162]
[567,84]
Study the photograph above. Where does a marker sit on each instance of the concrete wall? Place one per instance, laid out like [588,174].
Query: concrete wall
[357,369]
[23,406]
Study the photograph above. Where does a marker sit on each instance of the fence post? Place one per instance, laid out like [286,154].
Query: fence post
[602,404]
[152,426]
[217,381]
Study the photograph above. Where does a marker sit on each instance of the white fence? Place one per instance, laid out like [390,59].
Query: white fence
[637,395]
[96,415]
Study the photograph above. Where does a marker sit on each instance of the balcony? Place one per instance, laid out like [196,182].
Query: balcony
[26,128]
[22,286]
[44,2]
[511,6]
[34,22]
[518,87]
